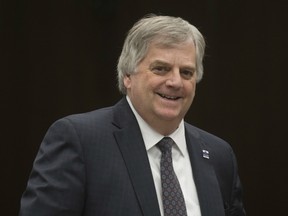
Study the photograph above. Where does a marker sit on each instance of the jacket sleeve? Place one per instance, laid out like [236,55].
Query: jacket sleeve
[235,207]
[56,183]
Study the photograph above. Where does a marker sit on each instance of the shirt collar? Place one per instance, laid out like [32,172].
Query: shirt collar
[152,137]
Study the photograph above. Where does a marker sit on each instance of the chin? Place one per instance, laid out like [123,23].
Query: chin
[170,116]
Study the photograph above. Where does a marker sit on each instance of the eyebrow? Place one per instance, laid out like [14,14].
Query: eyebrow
[166,64]
[159,62]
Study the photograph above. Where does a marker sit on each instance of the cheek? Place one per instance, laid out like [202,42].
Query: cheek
[190,88]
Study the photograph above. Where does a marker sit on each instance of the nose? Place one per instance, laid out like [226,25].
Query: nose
[174,79]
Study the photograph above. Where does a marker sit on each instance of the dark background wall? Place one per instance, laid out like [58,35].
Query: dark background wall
[59,57]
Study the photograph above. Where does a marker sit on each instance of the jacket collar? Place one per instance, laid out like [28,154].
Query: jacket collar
[132,147]
[205,179]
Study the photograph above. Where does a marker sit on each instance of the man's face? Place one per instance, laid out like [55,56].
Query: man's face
[163,87]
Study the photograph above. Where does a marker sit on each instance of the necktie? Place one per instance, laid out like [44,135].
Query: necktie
[172,197]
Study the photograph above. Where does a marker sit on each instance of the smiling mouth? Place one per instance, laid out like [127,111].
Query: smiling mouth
[168,97]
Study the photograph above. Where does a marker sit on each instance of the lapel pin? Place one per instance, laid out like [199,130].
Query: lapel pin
[205,154]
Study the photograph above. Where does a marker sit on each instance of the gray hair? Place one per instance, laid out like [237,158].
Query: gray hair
[165,29]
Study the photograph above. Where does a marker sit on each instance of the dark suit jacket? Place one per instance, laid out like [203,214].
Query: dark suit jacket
[96,164]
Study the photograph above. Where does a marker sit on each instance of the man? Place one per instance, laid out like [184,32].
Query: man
[118,160]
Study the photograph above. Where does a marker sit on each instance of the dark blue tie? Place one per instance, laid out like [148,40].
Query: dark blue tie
[173,200]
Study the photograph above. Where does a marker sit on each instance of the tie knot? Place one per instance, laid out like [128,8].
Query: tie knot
[165,145]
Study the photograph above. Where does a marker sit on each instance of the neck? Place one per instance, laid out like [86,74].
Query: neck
[165,128]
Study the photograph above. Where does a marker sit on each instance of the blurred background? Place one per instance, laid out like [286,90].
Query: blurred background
[59,57]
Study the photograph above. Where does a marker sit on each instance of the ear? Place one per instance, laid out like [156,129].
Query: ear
[127,81]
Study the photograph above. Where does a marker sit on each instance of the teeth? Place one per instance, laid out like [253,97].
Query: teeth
[168,97]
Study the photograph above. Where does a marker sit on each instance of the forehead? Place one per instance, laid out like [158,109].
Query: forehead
[184,51]
[169,42]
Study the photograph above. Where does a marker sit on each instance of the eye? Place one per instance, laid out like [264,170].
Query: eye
[160,69]
[187,73]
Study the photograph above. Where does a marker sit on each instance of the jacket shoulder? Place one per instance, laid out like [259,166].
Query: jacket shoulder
[206,138]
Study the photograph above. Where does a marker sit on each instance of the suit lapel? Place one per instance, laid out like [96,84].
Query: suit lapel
[132,147]
[206,182]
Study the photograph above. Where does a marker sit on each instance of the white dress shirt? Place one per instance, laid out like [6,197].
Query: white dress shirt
[181,163]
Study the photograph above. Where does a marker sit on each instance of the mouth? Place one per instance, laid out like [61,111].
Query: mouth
[168,97]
